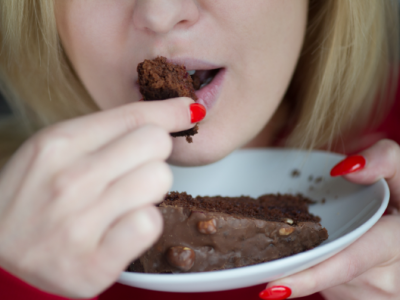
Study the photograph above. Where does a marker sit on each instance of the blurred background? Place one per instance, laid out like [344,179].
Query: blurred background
[3,107]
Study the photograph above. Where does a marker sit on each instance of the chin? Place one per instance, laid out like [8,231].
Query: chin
[203,151]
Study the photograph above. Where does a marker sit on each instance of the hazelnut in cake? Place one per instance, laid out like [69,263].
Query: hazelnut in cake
[216,233]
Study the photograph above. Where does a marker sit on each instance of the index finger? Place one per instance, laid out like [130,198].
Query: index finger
[93,131]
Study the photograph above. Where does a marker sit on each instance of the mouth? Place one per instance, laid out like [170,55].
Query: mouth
[202,78]
[208,85]
[207,77]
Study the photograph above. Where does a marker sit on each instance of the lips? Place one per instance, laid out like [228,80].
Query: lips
[209,93]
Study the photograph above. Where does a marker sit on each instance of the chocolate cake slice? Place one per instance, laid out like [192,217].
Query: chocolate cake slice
[216,233]
[160,80]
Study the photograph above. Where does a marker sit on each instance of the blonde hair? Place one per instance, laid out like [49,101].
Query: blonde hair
[347,72]
[348,59]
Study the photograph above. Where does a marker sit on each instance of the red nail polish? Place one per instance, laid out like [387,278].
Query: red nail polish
[197,112]
[349,165]
[276,293]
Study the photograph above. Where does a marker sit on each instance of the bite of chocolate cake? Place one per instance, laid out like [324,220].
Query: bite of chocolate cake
[160,80]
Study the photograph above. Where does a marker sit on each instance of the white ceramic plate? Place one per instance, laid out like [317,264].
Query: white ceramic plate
[348,212]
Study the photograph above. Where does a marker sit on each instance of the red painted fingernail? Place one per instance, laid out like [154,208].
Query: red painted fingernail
[197,112]
[276,293]
[349,165]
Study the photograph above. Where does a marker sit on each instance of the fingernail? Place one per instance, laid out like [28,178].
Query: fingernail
[197,112]
[349,165]
[276,293]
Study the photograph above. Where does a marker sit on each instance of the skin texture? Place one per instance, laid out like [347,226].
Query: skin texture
[257,44]
[77,198]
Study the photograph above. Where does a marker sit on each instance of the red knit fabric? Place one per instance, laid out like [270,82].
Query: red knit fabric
[12,288]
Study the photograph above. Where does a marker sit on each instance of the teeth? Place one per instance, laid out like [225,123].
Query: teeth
[209,79]
[191,72]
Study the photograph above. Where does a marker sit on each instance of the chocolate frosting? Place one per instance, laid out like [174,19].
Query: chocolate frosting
[196,240]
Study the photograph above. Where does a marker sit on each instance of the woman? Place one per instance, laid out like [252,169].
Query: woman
[296,73]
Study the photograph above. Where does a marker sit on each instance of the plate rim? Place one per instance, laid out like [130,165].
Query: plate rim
[323,250]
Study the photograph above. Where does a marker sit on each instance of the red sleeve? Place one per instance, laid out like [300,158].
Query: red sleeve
[122,292]
[12,288]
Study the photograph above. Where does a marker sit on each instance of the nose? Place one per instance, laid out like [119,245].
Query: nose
[161,16]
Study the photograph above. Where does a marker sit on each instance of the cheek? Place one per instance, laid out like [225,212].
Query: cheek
[93,34]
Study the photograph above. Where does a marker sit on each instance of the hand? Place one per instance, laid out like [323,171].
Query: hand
[370,267]
[77,199]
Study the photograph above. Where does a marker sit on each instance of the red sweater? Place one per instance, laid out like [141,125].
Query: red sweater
[12,288]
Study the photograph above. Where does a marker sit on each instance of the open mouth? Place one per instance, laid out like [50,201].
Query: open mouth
[202,78]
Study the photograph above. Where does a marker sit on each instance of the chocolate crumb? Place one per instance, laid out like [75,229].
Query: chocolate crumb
[296,173]
[318,179]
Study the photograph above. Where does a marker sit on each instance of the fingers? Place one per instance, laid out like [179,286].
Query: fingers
[62,144]
[377,247]
[91,174]
[147,185]
[382,161]
[146,144]
[91,132]
[55,151]
[129,237]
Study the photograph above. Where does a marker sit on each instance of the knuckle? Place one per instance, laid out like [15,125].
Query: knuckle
[391,149]
[132,118]
[351,270]
[62,184]
[68,181]
[162,174]
[50,142]
[75,233]
[156,178]
[151,235]
[312,285]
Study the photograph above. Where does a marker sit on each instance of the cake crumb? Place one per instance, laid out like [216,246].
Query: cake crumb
[318,179]
[296,173]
